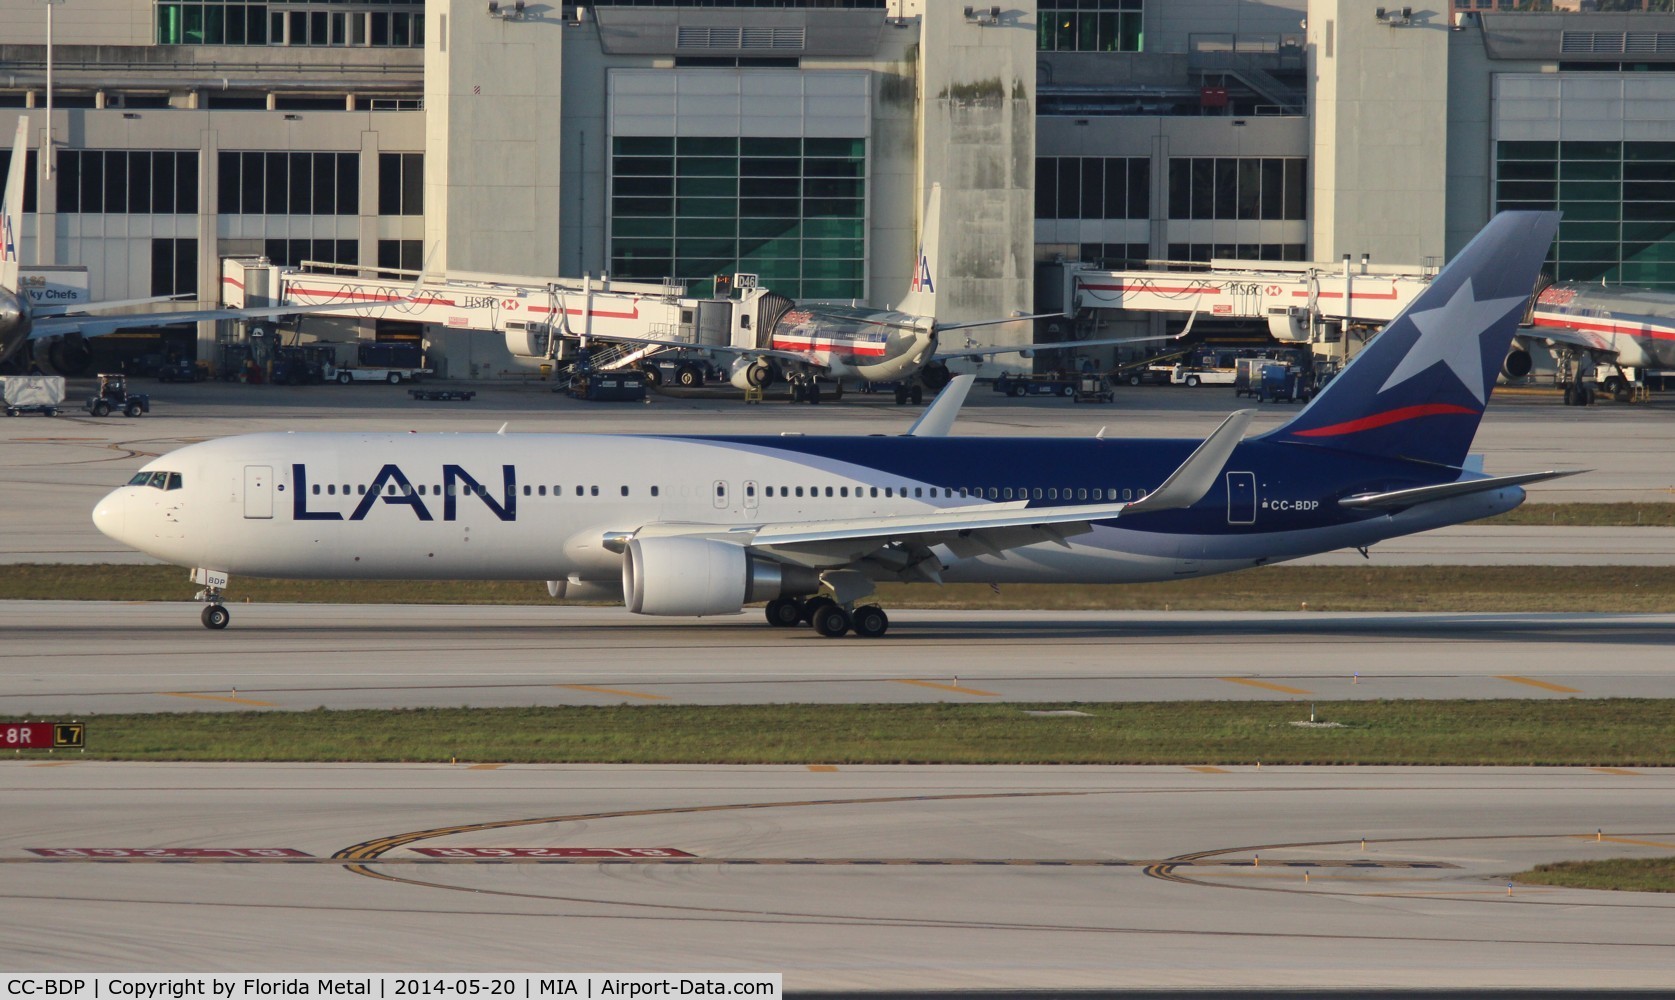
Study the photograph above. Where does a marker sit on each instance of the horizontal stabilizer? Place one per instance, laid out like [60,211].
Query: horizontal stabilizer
[1188,484]
[1443,491]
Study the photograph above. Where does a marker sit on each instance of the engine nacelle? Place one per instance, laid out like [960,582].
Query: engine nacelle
[701,576]
[751,373]
[1518,363]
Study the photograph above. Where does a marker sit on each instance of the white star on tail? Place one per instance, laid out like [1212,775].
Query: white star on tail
[1443,337]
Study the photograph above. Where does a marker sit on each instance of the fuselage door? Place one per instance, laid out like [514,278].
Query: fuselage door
[750,499]
[1241,498]
[258,491]
[720,494]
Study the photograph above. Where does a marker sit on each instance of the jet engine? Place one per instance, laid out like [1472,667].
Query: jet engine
[1518,363]
[701,576]
[751,373]
[14,323]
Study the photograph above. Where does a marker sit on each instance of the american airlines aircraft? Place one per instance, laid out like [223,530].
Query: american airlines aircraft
[22,322]
[803,342]
[1619,325]
[691,525]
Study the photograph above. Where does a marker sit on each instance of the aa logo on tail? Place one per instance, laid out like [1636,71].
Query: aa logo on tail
[922,276]
[8,240]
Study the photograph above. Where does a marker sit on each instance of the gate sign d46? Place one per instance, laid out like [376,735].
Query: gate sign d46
[42,735]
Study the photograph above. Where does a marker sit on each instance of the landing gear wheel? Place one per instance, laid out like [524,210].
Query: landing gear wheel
[216,616]
[782,613]
[901,396]
[871,622]
[814,393]
[831,621]
[916,394]
[812,606]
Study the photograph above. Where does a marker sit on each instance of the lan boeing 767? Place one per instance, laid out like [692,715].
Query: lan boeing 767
[680,524]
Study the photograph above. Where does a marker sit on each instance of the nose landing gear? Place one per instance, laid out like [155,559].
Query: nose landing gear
[215,614]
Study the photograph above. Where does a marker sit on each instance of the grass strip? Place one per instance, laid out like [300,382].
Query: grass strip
[1589,515]
[1627,874]
[1510,732]
[1617,589]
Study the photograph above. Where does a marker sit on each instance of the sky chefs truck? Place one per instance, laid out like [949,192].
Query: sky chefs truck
[384,362]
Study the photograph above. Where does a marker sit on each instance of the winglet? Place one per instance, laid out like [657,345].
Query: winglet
[1188,484]
[938,417]
[11,210]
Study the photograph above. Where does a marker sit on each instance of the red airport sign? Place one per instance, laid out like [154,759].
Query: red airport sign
[551,852]
[42,735]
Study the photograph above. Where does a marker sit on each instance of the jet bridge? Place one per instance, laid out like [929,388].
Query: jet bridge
[1301,303]
[542,320]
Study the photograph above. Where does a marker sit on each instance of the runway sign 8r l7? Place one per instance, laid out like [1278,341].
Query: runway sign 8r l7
[42,735]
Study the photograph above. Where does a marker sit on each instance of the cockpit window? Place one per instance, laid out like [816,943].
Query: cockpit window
[157,480]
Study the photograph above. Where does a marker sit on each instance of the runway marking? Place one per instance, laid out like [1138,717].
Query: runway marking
[1207,769]
[1614,770]
[1624,840]
[485,767]
[1252,682]
[51,763]
[822,767]
[221,697]
[1543,685]
[619,693]
[183,856]
[957,689]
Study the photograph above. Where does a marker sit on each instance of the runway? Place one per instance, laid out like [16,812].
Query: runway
[900,877]
[88,657]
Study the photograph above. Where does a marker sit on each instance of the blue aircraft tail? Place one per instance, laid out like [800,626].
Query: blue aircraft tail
[1418,390]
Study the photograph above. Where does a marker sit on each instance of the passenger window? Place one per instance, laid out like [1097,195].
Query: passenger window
[316,489]
[1038,493]
[843,491]
[579,491]
[875,492]
[654,491]
[1127,494]
[1099,494]
[888,491]
[919,492]
[749,489]
[625,491]
[540,491]
[828,491]
[799,491]
[994,494]
[1081,494]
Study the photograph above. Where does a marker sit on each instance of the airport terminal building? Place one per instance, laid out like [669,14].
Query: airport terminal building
[650,139]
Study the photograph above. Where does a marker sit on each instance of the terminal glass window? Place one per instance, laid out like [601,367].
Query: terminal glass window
[1089,26]
[790,210]
[401,183]
[28,177]
[1093,187]
[291,253]
[1618,200]
[1226,187]
[264,183]
[127,182]
[1206,252]
[378,23]
[174,267]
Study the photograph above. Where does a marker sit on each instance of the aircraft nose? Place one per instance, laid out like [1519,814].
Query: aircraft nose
[111,515]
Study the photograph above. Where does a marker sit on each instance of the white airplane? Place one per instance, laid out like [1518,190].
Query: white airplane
[22,321]
[1617,325]
[802,343]
[683,524]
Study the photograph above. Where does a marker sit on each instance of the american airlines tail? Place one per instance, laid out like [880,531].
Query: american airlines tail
[920,299]
[11,210]
[1418,390]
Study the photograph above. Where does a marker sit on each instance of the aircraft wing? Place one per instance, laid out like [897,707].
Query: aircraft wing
[94,326]
[1569,337]
[978,529]
[81,308]
[983,352]
[726,349]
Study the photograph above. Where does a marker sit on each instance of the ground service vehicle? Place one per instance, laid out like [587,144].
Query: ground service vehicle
[392,363]
[1281,383]
[113,394]
[182,371]
[1054,384]
[621,386]
[41,394]
[1094,388]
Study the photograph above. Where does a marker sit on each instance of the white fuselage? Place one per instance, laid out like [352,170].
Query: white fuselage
[540,507]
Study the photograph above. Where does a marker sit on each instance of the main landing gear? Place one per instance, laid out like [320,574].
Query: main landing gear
[828,617]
